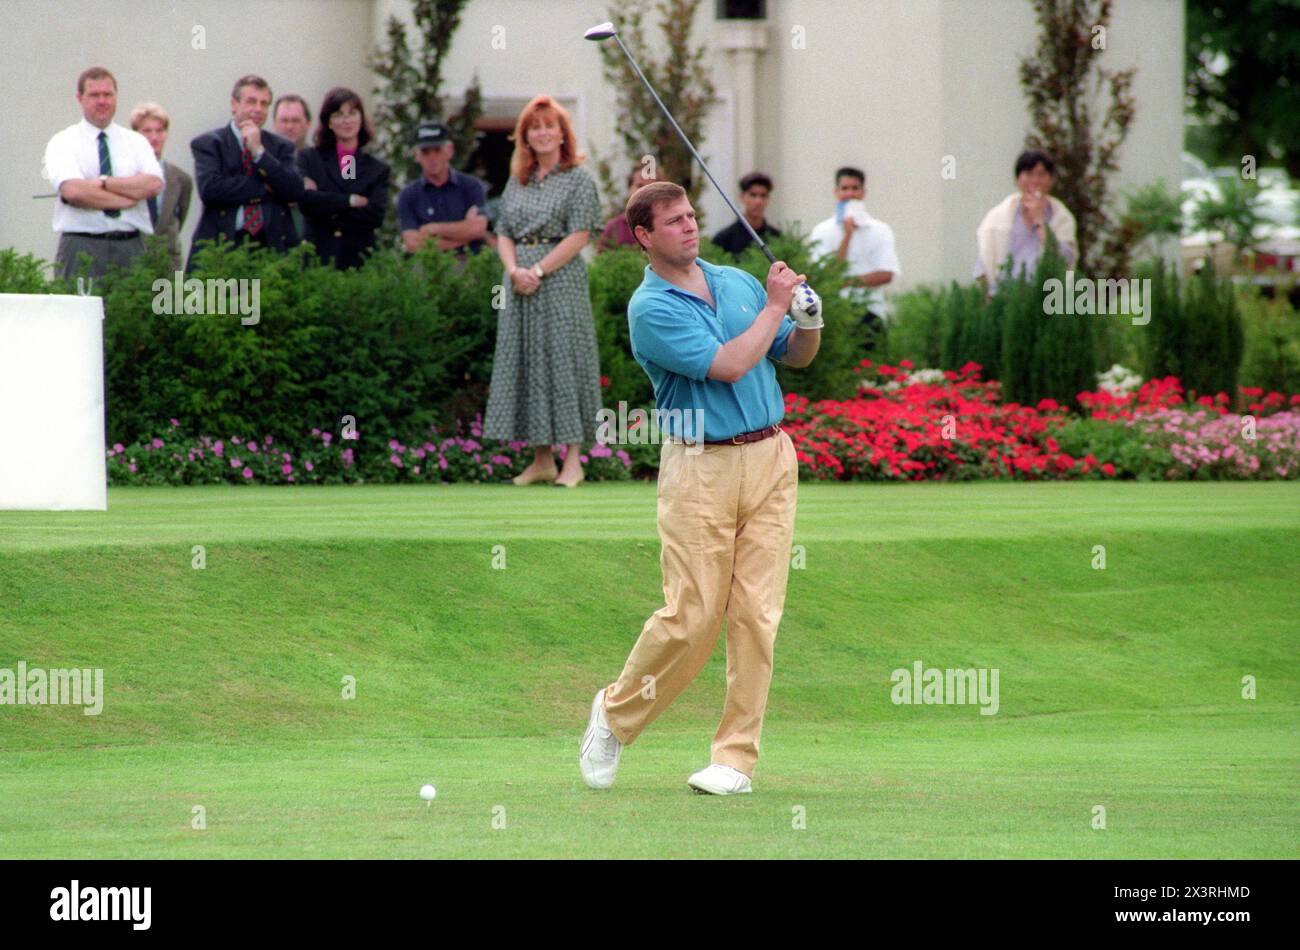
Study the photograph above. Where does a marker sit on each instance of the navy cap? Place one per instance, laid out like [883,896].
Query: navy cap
[431,133]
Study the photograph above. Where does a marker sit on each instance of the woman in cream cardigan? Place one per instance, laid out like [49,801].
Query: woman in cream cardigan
[1017,226]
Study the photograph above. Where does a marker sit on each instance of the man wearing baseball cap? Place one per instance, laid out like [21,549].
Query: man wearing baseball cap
[444,206]
[707,336]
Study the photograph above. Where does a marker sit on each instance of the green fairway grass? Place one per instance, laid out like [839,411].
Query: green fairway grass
[1119,688]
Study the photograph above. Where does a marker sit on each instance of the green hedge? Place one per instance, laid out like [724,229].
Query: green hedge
[1195,332]
[400,344]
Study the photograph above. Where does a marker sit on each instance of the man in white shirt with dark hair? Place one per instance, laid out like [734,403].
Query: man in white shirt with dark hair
[865,243]
[104,174]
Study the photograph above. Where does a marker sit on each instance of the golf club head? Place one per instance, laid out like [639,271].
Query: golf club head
[600,32]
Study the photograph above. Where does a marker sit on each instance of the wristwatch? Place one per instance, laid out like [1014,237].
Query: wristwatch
[537,271]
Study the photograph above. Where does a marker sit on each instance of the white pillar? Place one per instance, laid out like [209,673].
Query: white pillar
[744,40]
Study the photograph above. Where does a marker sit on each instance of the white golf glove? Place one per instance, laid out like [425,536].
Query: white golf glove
[806,308]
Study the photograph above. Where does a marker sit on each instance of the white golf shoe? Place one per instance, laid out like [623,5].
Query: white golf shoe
[599,753]
[720,780]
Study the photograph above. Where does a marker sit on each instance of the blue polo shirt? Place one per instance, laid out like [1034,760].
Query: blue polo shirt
[422,202]
[675,336]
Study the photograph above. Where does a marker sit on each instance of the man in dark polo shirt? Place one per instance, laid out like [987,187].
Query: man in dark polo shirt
[444,206]
[755,193]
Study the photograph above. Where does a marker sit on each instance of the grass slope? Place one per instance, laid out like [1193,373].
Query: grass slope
[1118,687]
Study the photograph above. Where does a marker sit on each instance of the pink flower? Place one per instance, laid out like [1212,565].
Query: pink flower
[175,423]
[131,468]
[118,447]
[252,446]
[218,449]
[157,443]
[290,478]
[396,460]
[310,467]
[286,469]
[235,463]
[287,456]
[442,462]
[326,438]
[315,431]
[416,470]
[235,440]
[268,440]
[248,473]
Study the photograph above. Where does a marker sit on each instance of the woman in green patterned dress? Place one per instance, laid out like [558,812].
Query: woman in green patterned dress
[546,375]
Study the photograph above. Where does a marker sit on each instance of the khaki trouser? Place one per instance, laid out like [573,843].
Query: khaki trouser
[726,521]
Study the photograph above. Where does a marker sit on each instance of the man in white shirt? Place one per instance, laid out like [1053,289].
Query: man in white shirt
[103,174]
[864,243]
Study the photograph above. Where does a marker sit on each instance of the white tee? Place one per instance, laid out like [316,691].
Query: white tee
[871,248]
[74,153]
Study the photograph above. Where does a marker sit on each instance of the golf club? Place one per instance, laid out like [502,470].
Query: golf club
[606,30]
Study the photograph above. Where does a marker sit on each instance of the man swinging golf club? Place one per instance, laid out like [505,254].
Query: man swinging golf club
[705,335]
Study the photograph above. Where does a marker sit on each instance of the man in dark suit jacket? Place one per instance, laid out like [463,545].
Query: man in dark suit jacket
[246,177]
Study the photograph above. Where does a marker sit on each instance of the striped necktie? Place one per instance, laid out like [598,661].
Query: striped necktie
[106,168]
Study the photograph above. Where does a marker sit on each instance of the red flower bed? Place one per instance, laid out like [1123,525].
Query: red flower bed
[1168,393]
[948,431]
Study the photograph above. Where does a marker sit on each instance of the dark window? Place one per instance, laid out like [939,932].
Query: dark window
[742,9]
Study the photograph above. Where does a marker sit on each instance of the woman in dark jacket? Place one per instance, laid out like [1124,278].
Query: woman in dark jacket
[347,188]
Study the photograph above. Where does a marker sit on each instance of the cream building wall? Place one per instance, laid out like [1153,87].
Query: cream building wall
[892,86]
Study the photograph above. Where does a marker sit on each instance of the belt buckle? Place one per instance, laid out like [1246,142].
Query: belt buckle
[735,439]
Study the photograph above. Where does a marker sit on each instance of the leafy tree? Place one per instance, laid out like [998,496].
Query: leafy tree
[1152,213]
[1235,213]
[1243,78]
[411,92]
[1063,81]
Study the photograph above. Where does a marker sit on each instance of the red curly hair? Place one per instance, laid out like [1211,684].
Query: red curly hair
[524,162]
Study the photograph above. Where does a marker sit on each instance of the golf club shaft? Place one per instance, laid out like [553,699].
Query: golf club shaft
[687,142]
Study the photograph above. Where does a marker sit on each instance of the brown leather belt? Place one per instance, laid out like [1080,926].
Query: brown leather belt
[758,435]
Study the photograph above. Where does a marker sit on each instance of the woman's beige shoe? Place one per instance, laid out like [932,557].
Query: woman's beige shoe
[544,475]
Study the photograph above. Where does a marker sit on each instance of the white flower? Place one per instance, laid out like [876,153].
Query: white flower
[1118,381]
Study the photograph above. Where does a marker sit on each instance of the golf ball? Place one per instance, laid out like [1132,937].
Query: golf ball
[428,793]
